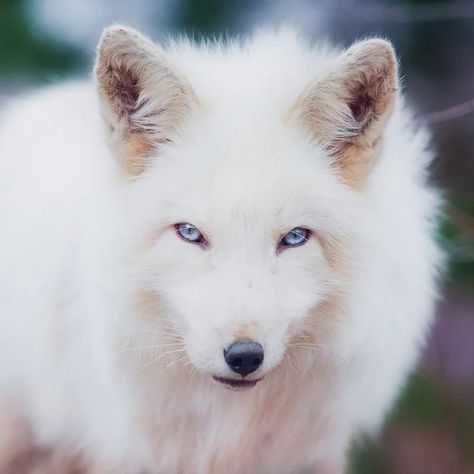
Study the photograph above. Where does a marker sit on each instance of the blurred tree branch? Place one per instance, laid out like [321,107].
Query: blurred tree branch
[405,13]
[456,111]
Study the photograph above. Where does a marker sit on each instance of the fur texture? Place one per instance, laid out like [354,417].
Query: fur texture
[112,327]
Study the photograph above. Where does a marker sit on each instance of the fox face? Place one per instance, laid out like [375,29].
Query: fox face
[249,199]
[242,257]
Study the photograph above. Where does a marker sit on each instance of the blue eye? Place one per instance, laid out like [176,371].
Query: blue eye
[190,233]
[294,238]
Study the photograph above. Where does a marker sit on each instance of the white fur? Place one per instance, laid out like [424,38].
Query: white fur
[86,362]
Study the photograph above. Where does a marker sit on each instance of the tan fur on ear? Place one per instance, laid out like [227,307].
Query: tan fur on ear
[347,108]
[145,98]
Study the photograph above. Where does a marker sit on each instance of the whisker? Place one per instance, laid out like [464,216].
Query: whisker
[148,346]
[305,344]
[308,347]
[174,363]
[181,349]
[157,359]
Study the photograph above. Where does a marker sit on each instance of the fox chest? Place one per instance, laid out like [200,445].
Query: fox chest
[268,438]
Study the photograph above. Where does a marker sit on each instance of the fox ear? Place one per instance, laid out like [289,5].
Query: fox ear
[347,108]
[144,97]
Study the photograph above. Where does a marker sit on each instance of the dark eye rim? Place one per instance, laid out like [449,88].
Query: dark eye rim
[282,246]
[202,242]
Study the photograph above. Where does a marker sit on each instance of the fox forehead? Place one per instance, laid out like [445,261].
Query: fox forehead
[267,73]
[227,159]
[254,196]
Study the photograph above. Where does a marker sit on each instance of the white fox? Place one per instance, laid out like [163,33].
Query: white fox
[214,259]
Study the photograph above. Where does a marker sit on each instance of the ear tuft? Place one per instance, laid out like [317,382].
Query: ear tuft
[373,81]
[115,72]
[347,108]
[144,97]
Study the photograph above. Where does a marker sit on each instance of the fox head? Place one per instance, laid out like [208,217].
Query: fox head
[246,170]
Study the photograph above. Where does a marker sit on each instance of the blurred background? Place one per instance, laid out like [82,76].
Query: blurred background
[431,430]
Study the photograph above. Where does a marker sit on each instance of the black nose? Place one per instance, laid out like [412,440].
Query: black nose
[244,357]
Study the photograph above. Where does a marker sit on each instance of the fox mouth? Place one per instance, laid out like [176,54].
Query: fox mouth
[235,384]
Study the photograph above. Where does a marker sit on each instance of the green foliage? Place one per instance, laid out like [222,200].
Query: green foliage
[423,403]
[367,458]
[209,17]
[27,54]
[457,238]
[465,426]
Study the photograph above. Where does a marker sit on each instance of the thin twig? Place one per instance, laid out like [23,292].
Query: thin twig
[406,13]
[456,111]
